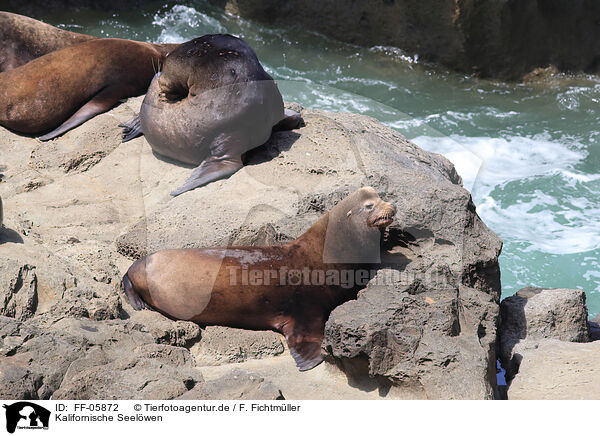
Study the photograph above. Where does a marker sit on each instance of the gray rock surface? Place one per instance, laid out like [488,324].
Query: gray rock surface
[221,345]
[536,313]
[237,384]
[429,332]
[148,372]
[18,290]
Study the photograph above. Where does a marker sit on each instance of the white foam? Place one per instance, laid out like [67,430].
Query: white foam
[395,53]
[502,159]
[536,218]
[182,23]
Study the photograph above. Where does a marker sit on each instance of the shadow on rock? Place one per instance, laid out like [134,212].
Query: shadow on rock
[277,143]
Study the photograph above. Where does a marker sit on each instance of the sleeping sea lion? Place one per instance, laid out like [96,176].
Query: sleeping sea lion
[212,102]
[64,88]
[23,39]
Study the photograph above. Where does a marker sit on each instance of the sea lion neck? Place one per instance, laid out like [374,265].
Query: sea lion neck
[313,240]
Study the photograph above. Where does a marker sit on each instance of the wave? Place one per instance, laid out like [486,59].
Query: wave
[527,189]
[182,23]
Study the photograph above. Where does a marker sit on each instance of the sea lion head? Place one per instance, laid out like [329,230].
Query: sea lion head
[355,226]
[371,209]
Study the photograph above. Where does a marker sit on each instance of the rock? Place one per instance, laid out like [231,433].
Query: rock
[166,331]
[595,328]
[414,340]
[545,313]
[72,358]
[149,372]
[235,385]
[18,289]
[557,370]
[221,345]
[537,313]
[489,38]
[33,361]
[284,188]
[442,308]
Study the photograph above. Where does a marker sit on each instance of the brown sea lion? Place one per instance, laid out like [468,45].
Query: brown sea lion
[290,288]
[65,88]
[211,103]
[23,39]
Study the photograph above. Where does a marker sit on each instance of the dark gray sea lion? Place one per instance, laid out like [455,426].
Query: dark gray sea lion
[290,288]
[212,102]
[23,39]
[65,88]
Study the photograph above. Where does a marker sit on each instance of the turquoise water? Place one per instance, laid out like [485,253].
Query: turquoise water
[530,154]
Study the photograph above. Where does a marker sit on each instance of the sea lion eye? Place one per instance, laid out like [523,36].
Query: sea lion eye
[369,206]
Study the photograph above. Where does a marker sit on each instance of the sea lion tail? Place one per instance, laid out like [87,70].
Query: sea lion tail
[135,299]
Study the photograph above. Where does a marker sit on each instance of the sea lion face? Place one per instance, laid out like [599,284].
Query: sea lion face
[372,210]
[355,228]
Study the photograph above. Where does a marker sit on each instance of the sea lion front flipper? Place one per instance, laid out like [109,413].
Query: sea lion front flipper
[213,168]
[291,120]
[132,128]
[304,342]
[101,102]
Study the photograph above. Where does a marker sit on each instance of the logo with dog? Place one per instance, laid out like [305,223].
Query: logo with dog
[26,415]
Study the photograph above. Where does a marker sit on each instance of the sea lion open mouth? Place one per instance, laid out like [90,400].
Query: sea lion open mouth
[384,216]
[383,221]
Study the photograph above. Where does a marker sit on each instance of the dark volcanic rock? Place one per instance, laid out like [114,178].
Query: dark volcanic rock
[498,38]
[595,328]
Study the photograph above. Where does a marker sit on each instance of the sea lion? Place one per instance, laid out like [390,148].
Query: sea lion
[212,102]
[290,288]
[65,88]
[23,39]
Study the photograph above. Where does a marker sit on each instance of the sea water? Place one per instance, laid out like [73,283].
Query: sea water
[529,153]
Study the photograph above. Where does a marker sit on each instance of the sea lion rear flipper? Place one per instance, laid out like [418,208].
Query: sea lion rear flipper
[132,128]
[213,168]
[135,299]
[304,344]
[104,100]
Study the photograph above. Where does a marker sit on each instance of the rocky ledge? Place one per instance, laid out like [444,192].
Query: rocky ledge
[548,347]
[78,209]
